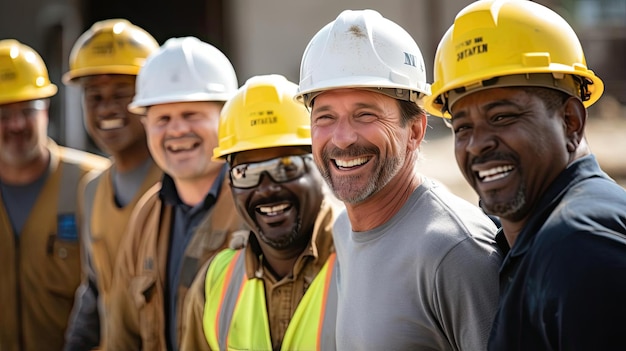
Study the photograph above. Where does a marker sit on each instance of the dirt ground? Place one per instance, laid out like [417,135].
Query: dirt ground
[607,139]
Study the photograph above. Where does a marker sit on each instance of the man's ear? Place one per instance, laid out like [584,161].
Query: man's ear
[575,119]
[418,130]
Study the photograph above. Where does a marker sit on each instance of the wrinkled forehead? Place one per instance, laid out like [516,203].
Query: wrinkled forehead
[566,84]
[359,96]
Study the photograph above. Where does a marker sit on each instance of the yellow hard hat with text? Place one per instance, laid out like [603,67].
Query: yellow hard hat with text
[262,114]
[497,38]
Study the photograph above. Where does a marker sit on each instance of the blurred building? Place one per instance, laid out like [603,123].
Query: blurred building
[269,36]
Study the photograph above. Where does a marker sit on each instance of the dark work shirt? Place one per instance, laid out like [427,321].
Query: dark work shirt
[562,284]
[185,220]
[20,199]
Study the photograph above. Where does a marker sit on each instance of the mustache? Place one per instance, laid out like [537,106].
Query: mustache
[493,156]
[184,136]
[283,196]
[352,151]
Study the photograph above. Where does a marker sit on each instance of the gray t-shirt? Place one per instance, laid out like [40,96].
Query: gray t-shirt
[128,183]
[425,280]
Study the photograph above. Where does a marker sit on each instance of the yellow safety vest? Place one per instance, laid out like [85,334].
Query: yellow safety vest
[235,315]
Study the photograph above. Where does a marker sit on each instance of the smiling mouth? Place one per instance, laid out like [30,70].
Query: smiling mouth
[181,147]
[494,173]
[109,124]
[274,210]
[348,164]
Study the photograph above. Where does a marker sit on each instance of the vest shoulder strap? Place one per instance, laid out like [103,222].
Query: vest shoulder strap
[217,288]
[68,193]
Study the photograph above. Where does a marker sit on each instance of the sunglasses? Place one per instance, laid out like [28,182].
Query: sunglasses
[280,170]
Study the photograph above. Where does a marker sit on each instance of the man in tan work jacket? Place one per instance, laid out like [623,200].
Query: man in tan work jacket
[40,265]
[189,216]
[107,82]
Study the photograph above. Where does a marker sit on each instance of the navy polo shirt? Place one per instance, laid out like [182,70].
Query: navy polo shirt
[563,283]
[185,220]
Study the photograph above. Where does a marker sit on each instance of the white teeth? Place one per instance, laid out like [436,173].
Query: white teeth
[355,162]
[495,173]
[107,124]
[179,147]
[272,210]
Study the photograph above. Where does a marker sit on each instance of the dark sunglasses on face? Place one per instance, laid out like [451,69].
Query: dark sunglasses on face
[280,170]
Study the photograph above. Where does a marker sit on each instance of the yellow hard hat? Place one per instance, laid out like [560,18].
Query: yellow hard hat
[495,43]
[113,46]
[23,74]
[262,114]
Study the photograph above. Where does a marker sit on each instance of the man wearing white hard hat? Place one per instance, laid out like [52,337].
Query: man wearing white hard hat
[418,266]
[187,217]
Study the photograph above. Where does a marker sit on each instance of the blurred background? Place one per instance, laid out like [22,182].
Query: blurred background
[269,36]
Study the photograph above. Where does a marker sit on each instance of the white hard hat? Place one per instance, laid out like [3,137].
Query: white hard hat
[362,49]
[184,69]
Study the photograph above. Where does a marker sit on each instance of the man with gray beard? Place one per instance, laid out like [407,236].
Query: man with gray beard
[418,266]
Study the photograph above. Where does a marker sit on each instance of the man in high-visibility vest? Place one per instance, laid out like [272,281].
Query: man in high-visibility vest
[278,292]
[40,263]
[107,81]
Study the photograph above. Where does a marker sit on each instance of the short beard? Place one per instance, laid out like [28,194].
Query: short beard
[285,241]
[510,210]
[348,190]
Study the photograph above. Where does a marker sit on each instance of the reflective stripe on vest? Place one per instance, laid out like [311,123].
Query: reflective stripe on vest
[235,315]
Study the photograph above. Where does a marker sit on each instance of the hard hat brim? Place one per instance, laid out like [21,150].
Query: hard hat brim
[140,106]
